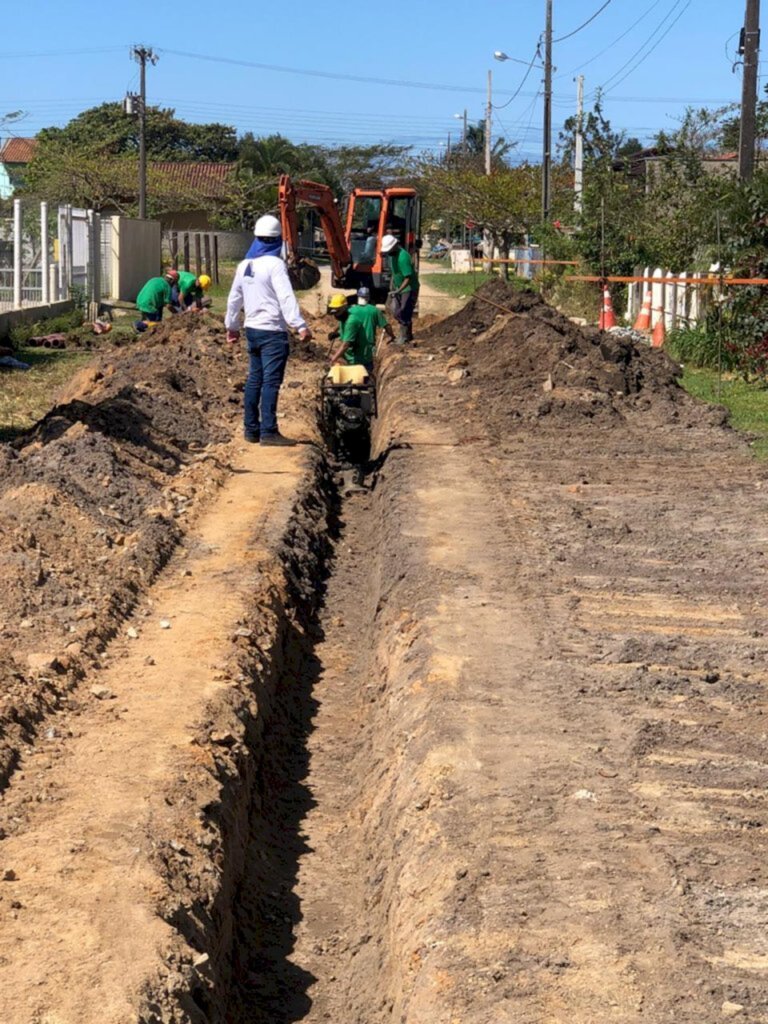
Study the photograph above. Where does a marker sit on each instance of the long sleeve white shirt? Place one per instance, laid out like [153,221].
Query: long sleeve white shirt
[262,289]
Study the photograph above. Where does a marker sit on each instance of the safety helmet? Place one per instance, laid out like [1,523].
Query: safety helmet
[337,303]
[204,281]
[172,275]
[267,227]
[363,295]
[388,243]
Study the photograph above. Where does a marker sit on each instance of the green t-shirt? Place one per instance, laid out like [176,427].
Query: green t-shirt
[401,266]
[359,332]
[155,294]
[187,285]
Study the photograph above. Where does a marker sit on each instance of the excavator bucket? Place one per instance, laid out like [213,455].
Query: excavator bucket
[304,274]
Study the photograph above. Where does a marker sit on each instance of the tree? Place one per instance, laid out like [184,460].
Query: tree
[506,203]
[600,141]
[475,148]
[108,130]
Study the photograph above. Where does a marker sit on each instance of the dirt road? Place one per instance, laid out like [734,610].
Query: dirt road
[484,742]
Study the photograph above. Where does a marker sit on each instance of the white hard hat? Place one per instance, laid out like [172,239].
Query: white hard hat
[267,227]
[388,243]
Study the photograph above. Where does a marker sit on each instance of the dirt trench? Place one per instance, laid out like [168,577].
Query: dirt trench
[482,743]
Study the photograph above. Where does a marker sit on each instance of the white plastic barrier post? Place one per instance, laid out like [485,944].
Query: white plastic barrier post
[681,310]
[694,306]
[657,297]
[670,301]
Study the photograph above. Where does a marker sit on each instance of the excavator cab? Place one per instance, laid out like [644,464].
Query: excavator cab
[354,248]
[371,214]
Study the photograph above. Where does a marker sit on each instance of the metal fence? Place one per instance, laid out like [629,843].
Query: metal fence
[35,270]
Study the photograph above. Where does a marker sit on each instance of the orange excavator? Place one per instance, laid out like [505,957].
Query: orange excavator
[354,247]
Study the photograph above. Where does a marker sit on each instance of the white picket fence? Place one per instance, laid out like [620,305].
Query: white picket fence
[674,296]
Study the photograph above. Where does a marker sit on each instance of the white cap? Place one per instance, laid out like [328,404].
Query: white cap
[388,243]
[267,227]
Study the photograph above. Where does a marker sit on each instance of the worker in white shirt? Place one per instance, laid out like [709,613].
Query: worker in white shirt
[262,290]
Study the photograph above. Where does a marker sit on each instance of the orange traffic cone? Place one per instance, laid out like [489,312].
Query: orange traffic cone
[659,335]
[643,321]
[607,316]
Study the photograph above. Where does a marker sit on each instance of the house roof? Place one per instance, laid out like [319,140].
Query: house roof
[18,151]
[207,180]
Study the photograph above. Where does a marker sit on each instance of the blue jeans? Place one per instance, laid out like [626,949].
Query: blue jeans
[268,351]
[152,318]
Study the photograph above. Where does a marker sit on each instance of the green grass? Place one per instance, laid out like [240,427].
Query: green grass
[748,403]
[466,284]
[27,395]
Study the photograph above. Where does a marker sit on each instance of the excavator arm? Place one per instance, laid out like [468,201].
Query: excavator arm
[321,197]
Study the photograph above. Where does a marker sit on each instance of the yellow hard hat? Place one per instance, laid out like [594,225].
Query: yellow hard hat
[337,302]
[204,281]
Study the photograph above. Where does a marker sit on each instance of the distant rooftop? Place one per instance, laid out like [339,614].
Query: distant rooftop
[17,151]
[207,180]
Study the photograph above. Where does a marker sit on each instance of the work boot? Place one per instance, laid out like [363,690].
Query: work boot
[277,440]
[251,438]
[402,336]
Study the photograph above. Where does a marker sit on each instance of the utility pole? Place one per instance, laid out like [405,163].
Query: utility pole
[464,135]
[488,113]
[578,186]
[750,46]
[142,54]
[547,155]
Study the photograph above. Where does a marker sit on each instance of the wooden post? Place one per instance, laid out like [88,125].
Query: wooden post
[186,250]
[215,259]
[175,249]
[207,251]
[198,260]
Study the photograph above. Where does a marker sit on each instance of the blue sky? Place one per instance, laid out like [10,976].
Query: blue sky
[653,56]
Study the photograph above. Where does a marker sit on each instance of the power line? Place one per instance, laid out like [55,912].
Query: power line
[61,53]
[587,22]
[610,46]
[516,93]
[647,55]
[338,76]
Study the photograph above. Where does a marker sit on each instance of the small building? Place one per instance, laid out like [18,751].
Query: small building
[15,154]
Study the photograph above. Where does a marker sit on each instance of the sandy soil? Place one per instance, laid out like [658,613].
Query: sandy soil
[481,743]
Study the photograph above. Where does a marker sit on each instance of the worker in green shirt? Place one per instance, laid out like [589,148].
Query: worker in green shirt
[154,297]
[404,285]
[357,331]
[190,290]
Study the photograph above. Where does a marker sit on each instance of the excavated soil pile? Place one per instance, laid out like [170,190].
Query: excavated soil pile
[94,499]
[532,362]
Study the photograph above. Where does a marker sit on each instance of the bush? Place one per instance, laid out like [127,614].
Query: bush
[698,346]
[60,324]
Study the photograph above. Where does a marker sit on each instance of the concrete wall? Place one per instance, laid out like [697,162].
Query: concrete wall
[31,314]
[136,255]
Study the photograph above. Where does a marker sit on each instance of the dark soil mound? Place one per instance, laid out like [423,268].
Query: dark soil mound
[94,499]
[530,360]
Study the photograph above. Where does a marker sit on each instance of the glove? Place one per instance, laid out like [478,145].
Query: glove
[334,335]
[233,337]
[305,334]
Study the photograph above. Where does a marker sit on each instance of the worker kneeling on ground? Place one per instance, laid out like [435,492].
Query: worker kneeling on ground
[262,289]
[404,285]
[357,329]
[156,294]
[190,291]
